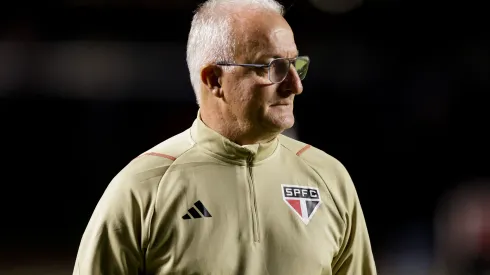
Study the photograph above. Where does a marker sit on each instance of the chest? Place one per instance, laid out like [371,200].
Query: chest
[253,219]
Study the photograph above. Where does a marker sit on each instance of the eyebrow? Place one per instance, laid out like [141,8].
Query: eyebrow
[275,55]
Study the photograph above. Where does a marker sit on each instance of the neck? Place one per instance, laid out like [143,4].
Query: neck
[233,129]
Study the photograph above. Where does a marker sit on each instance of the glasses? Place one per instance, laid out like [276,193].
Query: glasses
[279,67]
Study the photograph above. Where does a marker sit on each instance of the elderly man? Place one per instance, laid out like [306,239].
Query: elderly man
[231,195]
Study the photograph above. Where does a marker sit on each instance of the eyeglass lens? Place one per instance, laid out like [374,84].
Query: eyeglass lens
[280,68]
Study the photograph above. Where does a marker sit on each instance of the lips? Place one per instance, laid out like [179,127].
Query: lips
[282,104]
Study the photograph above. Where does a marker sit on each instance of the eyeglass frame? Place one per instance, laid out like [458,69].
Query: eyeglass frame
[268,66]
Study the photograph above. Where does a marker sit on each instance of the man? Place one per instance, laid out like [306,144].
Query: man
[231,195]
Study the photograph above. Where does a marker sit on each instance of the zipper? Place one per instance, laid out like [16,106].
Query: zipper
[253,200]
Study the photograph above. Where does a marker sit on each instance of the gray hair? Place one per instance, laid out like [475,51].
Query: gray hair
[211,37]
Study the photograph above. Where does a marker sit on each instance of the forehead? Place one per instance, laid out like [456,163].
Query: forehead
[264,34]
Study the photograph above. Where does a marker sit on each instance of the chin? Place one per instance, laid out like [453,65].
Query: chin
[281,123]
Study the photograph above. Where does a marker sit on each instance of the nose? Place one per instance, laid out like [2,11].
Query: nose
[292,83]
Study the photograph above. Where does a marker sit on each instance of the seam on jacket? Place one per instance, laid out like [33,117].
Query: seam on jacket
[148,237]
[148,231]
[346,223]
[329,190]
[324,182]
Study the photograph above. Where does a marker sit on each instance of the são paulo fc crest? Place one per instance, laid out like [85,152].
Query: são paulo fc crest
[304,201]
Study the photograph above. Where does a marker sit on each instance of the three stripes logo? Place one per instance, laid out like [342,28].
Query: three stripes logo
[197,211]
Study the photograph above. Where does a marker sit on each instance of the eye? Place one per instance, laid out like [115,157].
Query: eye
[262,70]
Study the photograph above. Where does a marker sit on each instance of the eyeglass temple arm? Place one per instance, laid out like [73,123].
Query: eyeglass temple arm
[243,65]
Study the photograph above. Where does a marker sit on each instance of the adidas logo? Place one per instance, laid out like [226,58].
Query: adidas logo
[194,213]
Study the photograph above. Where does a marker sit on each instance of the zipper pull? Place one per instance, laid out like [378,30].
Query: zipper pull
[250,159]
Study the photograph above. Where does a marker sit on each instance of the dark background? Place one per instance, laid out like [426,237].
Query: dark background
[397,91]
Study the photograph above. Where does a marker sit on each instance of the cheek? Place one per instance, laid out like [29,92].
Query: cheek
[249,93]
[244,92]
[255,96]
[235,88]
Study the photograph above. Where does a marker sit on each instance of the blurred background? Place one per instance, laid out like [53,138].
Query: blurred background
[397,91]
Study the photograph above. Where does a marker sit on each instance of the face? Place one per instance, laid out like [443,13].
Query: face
[250,97]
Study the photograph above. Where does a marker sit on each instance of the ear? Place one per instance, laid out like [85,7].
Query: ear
[211,77]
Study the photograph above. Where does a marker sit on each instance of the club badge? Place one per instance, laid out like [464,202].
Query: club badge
[304,201]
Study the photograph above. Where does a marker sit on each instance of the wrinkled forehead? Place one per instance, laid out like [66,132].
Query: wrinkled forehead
[263,34]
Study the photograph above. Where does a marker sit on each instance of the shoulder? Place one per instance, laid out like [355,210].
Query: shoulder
[133,191]
[313,156]
[330,169]
[151,165]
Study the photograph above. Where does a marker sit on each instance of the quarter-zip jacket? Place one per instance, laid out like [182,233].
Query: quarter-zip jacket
[198,203]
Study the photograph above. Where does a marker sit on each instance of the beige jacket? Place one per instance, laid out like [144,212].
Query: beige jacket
[200,204]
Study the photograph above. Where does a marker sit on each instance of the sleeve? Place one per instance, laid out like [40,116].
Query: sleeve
[112,242]
[355,256]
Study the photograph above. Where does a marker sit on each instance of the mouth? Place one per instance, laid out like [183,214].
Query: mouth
[281,104]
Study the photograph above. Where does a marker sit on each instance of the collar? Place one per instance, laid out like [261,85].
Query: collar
[212,141]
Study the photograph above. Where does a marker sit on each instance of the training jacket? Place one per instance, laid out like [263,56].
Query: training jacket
[198,203]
